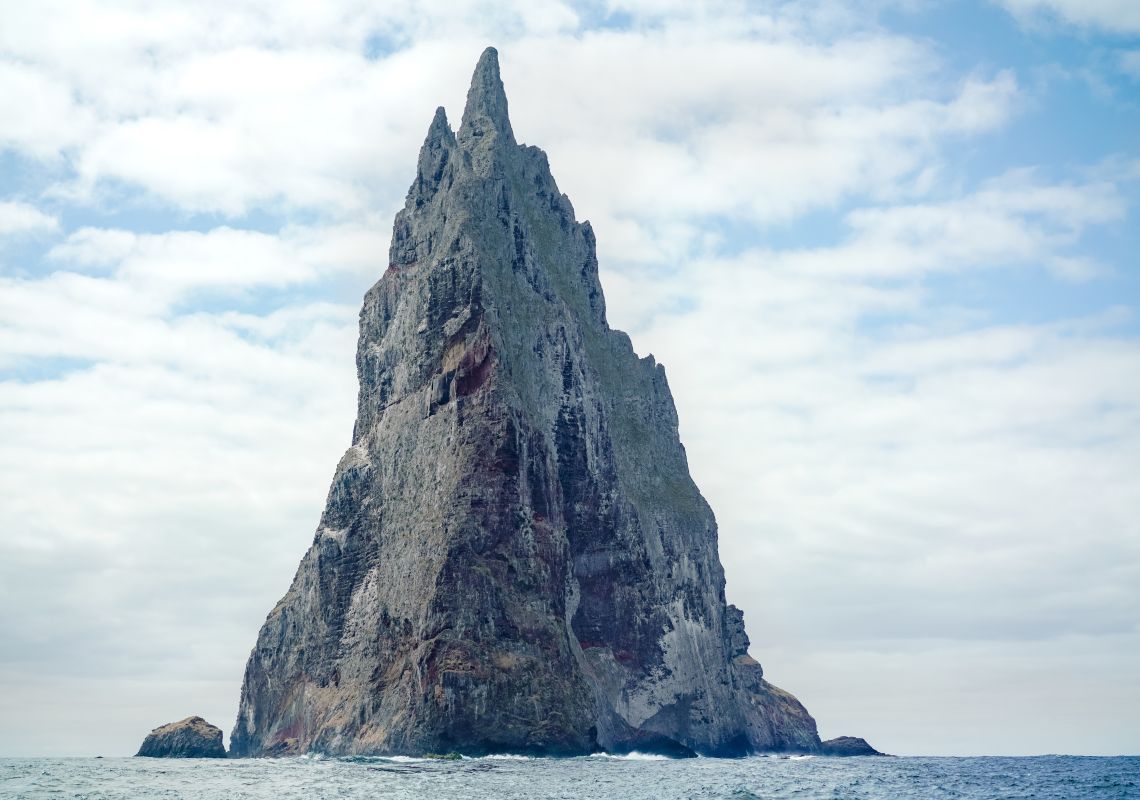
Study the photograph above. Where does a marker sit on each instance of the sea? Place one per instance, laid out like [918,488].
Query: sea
[597,777]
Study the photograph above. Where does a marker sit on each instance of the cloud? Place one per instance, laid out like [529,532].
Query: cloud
[201,113]
[1012,220]
[953,463]
[1130,63]
[696,144]
[40,116]
[1113,16]
[69,316]
[884,691]
[920,496]
[18,218]
[167,266]
[200,110]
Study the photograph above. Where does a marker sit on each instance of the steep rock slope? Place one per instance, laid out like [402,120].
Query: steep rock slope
[513,557]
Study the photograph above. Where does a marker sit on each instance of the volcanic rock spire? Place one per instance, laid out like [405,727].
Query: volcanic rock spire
[485,115]
[512,557]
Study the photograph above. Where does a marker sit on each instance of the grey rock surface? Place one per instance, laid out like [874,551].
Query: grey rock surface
[192,737]
[513,557]
[848,746]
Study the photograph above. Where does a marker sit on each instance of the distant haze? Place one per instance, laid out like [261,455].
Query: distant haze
[886,252]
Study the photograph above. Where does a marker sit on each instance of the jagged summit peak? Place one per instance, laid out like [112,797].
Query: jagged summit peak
[439,135]
[434,157]
[485,116]
[439,128]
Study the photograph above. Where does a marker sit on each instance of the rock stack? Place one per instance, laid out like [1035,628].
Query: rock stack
[192,737]
[513,556]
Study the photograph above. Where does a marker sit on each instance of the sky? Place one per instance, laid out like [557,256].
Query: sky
[886,250]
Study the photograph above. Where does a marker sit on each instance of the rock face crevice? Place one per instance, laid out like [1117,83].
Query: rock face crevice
[513,557]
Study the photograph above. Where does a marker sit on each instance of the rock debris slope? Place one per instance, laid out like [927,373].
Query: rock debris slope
[513,557]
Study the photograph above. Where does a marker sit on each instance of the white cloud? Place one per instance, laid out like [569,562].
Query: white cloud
[884,691]
[168,265]
[1130,63]
[201,109]
[203,112]
[1012,220]
[39,115]
[95,247]
[905,485]
[970,484]
[23,218]
[983,105]
[1114,16]
[695,144]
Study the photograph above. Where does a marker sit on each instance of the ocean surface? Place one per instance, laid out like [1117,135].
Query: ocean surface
[598,777]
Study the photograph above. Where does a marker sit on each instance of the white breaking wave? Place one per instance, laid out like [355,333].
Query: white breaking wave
[405,759]
[502,757]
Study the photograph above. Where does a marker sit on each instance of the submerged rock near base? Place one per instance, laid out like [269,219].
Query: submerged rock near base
[513,557]
[847,746]
[192,737]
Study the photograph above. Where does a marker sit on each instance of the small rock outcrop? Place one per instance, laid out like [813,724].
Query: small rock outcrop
[192,737]
[847,746]
[513,557]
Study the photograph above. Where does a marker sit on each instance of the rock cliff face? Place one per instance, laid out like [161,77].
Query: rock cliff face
[192,737]
[513,557]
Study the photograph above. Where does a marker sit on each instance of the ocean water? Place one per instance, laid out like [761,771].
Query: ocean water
[596,777]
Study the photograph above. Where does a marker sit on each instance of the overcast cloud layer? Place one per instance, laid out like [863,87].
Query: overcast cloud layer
[888,258]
